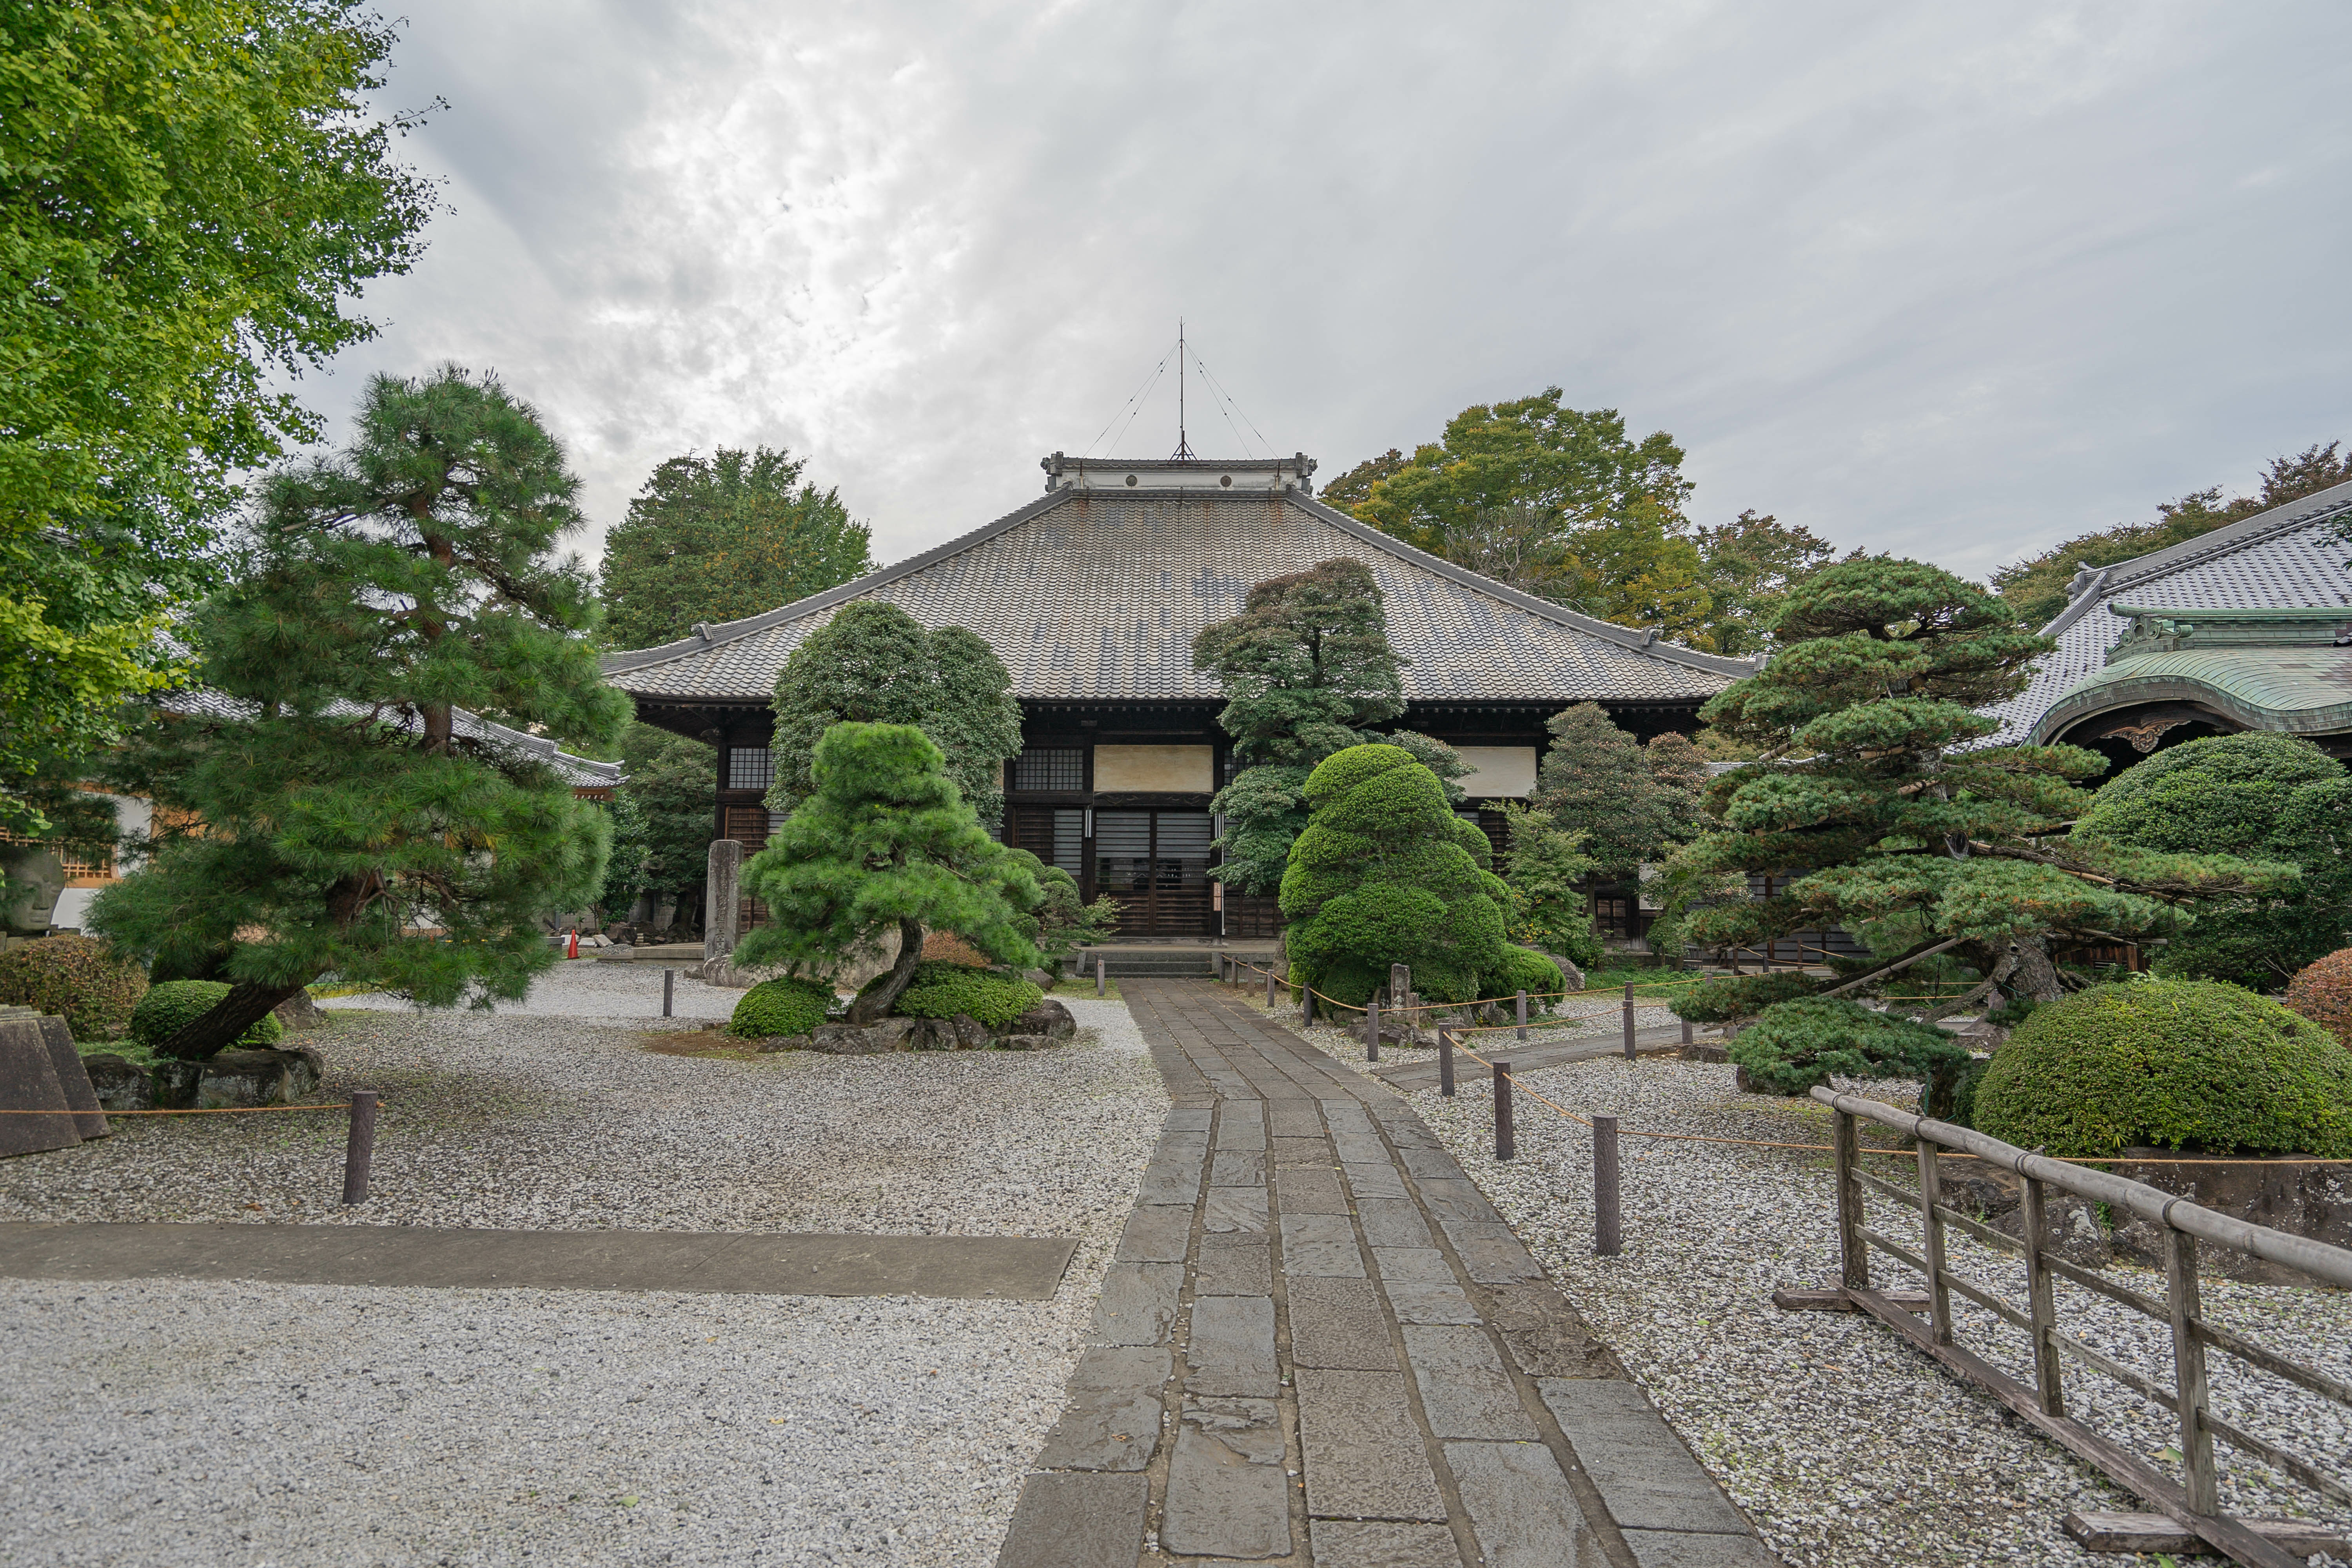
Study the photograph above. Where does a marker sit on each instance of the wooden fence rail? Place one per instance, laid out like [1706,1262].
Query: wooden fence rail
[2193,1507]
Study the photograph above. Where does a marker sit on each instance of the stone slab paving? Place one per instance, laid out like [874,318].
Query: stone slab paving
[1006,1267]
[1320,1344]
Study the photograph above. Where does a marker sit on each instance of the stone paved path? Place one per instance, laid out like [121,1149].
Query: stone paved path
[1321,1345]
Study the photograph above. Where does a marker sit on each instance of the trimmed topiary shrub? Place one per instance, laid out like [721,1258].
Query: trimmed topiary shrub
[165,1007]
[944,990]
[2323,993]
[1385,873]
[79,979]
[1729,996]
[2176,1064]
[1524,969]
[1794,1046]
[773,1009]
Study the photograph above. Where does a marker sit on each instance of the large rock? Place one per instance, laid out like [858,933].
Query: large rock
[786,1043]
[299,1011]
[120,1083]
[1049,1018]
[1396,1029]
[865,1039]
[237,1079]
[1024,1042]
[40,1118]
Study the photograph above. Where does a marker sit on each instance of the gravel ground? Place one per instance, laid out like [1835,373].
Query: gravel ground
[199,1422]
[1845,1445]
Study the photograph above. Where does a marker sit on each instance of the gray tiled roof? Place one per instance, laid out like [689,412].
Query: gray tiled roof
[580,773]
[1095,595]
[2287,558]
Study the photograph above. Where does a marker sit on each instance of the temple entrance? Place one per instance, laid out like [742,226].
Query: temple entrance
[1156,865]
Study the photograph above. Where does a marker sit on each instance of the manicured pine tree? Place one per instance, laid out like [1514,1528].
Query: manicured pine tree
[1632,802]
[1385,873]
[875,664]
[1305,668]
[1896,824]
[884,842]
[330,815]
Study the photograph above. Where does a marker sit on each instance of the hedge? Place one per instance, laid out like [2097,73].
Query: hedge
[2322,992]
[773,1009]
[1524,969]
[79,979]
[2175,1064]
[942,990]
[166,1007]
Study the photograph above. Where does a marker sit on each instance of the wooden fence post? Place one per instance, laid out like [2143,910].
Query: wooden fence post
[2188,1371]
[1854,1255]
[1931,1192]
[1607,1227]
[1523,1015]
[2043,1305]
[1372,1031]
[1270,987]
[1445,1060]
[1629,1020]
[359,1150]
[1507,1145]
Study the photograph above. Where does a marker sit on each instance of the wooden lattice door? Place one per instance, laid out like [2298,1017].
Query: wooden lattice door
[1156,865]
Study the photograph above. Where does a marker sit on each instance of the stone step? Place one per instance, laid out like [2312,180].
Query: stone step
[1159,966]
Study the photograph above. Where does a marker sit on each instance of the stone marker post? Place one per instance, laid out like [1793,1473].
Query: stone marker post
[721,901]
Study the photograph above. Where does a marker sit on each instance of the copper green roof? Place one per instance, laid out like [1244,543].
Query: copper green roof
[2282,670]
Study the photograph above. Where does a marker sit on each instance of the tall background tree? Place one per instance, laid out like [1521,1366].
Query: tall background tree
[1565,505]
[1306,668]
[1632,802]
[721,537]
[333,815]
[661,823]
[2036,587]
[875,664]
[188,198]
[1892,825]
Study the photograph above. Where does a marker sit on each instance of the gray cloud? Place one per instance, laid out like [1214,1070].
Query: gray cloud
[1951,281]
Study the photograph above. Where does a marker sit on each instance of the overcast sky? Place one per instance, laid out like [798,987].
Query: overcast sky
[1956,281]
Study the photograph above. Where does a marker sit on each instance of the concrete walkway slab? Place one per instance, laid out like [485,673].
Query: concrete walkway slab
[1338,1354]
[1010,1268]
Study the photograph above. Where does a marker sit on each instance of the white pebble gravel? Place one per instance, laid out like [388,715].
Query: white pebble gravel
[220,1422]
[1843,1445]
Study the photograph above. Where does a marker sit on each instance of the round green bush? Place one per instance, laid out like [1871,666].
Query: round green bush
[773,1009]
[2176,1064]
[2322,992]
[76,978]
[944,990]
[1794,1046]
[1524,969]
[162,1013]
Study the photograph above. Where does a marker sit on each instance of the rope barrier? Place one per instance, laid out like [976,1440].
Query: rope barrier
[205,1111]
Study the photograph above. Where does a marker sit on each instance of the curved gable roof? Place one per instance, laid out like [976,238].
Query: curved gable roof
[1091,595]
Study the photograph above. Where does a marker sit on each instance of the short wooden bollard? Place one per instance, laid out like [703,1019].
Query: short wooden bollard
[1371,1031]
[1307,1004]
[1606,1239]
[1269,990]
[359,1151]
[1629,1020]
[669,986]
[1506,1146]
[1522,1035]
[1098,976]
[1686,1032]
[1445,1060]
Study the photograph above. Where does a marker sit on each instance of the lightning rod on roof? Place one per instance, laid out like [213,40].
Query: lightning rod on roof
[1183,447]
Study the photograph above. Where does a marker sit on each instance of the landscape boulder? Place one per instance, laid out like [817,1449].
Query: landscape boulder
[1023,1042]
[239,1079]
[865,1039]
[786,1043]
[300,1012]
[1049,1018]
[120,1083]
[1396,1029]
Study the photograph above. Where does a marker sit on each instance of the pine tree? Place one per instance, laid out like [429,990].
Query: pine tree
[333,817]
[884,842]
[1305,667]
[1893,826]
[875,664]
[1632,804]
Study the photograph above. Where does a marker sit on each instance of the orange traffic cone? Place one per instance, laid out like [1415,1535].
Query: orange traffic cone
[572,950]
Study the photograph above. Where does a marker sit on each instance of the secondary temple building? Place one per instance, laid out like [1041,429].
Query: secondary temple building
[1091,595]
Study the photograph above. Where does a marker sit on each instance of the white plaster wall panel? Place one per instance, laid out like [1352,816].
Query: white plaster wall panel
[1505,773]
[1190,770]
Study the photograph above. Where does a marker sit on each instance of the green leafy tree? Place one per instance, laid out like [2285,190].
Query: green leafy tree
[661,821]
[875,664]
[1748,565]
[1305,668]
[1893,826]
[2259,797]
[2037,587]
[1354,488]
[1631,803]
[884,843]
[332,816]
[1062,923]
[1548,908]
[1384,874]
[187,198]
[722,537]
